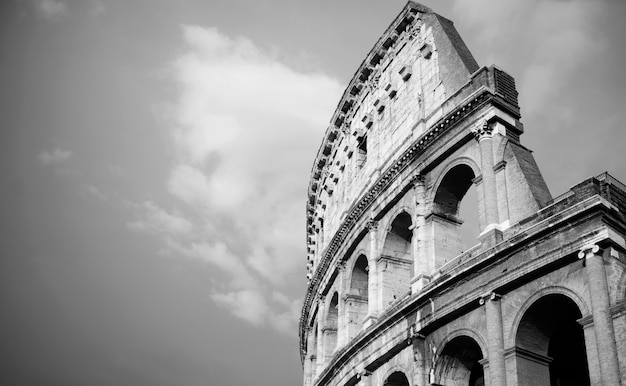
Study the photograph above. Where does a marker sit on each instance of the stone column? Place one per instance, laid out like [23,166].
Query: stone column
[421,266]
[341,314]
[321,311]
[495,337]
[309,368]
[373,304]
[484,135]
[600,310]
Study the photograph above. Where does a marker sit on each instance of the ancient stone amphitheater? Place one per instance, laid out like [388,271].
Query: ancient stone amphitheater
[394,295]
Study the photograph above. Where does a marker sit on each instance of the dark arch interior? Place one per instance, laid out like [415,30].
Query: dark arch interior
[333,311]
[452,190]
[358,283]
[397,379]
[458,363]
[550,328]
[398,240]
[456,200]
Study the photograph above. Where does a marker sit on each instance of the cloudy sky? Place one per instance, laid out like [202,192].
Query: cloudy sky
[155,155]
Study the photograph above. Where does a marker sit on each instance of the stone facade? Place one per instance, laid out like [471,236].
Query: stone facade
[394,296]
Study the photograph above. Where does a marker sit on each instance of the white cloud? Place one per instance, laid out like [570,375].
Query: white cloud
[153,219]
[246,128]
[52,10]
[57,156]
[253,307]
[248,305]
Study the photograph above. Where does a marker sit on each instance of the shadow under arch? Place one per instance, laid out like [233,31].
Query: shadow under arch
[550,345]
[551,290]
[444,222]
[397,378]
[395,265]
[357,296]
[458,363]
[331,325]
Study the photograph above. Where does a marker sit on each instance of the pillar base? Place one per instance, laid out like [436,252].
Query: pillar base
[491,236]
[369,320]
[419,282]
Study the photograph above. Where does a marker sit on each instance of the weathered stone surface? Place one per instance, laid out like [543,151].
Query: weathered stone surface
[394,296]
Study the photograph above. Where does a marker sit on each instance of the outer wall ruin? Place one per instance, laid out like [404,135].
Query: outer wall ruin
[394,296]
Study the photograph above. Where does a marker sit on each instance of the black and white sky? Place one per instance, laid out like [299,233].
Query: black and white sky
[155,156]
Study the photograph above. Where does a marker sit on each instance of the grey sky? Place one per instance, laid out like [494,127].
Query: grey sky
[155,158]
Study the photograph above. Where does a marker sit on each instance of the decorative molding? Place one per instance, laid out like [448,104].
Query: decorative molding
[417,180]
[499,166]
[483,130]
[492,297]
[588,251]
[529,355]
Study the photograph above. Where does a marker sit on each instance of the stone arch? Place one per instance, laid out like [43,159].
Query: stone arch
[572,295]
[395,265]
[464,160]
[396,377]
[391,216]
[477,337]
[350,263]
[446,188]
[443,222]
[331,320]
[550,345]
[357,296]
[459,363]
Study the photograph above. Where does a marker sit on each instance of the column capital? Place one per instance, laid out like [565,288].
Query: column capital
[492,296]
[588,251]
[483,130]
[341,266]
[417,180]
[372,225]
[363,373]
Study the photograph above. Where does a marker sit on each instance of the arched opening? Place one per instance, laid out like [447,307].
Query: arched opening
[550,345]
[458,364]
[396,261]
[456,196]
[330,327]
[396,379]
[357,296]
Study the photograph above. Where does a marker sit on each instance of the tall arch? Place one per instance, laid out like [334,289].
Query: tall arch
[330,326]
[444,221]
[458,363]
[395,265]
[550,345]
[357,296]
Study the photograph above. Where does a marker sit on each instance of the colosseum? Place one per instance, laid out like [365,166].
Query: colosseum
[395,296]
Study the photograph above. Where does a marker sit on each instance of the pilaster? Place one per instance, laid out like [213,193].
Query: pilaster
[373,303]
[600,309]
[341,314]
[421,266]
[495,337]
[483,133]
